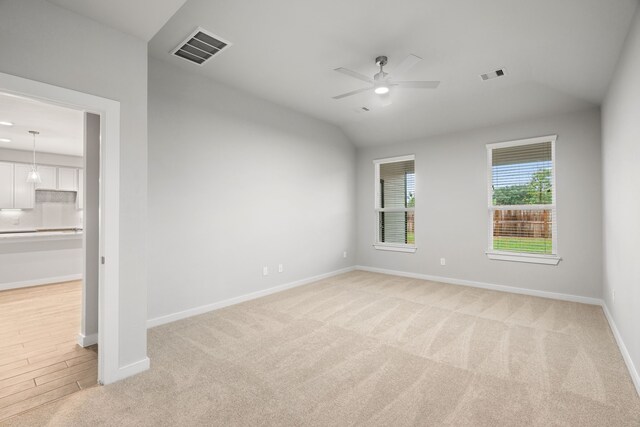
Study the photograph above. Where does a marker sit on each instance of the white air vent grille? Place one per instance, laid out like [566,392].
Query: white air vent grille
[493,75]
[200,47]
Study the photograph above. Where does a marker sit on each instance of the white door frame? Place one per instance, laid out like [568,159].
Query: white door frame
[108,278]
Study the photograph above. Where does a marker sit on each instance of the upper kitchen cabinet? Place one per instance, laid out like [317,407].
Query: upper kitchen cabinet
[68,179]
[24,194]
[6,185]
[49,176]
[58,178]
[15,191]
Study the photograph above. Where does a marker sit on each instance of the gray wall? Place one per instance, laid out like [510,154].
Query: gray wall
[91,219]
[621,176]
[46,43]
[452,214]
[235,184]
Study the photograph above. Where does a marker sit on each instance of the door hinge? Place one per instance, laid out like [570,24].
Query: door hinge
[102,260]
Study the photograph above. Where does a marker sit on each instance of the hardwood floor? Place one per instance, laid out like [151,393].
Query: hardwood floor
[40,360]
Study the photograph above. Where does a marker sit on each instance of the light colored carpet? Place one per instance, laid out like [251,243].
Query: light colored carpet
[371,349]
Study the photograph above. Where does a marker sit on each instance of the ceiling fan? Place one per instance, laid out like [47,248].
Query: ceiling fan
[381,83]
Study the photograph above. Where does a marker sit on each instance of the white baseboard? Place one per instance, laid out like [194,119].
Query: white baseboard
[157,321]
[490,286]
[87,340]
[623,348]
[38,282]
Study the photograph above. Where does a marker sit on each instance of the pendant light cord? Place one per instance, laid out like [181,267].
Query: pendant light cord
[34,133]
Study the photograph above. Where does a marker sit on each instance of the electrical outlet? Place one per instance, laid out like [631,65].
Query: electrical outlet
[280,268]
[344,254]
[443,261]
[265,271]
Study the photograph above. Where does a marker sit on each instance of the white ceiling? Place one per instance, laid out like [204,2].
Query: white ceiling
[559,57]
[139,18]
[61,129]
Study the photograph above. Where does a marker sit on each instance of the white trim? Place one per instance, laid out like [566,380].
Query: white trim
[161,320]
[39,282]
[524,257]
[552,207]
[526,141]
[623,348]
[395,248]
[482,285]
[377,209]
[394,159]
[87,340]
[109,301]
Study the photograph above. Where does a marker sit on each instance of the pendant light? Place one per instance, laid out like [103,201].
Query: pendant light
[34,175]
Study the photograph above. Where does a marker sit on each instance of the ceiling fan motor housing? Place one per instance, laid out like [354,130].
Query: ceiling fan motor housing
[381,61]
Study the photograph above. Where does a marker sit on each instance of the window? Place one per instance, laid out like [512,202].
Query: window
[395,198]
[522,201]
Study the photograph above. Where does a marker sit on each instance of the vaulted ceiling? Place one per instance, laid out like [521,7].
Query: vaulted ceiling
[559,55]
[140,18]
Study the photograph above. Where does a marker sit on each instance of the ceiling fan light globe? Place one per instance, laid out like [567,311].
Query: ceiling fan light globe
[381,90]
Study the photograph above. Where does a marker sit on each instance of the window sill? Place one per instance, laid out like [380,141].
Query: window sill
[395,248]
[530,258]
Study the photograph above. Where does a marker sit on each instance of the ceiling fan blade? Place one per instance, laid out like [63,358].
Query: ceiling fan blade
[354,74]
[406,64]
[354,92]
[417,85]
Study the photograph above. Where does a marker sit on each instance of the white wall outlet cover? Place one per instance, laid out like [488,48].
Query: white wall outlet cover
[265,271]
[280,268]
[344,254]
[443,261]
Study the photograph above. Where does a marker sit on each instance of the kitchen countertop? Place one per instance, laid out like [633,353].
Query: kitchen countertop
[39,234]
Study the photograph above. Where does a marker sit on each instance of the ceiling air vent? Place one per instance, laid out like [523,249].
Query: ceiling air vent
[493,75]
[200,47]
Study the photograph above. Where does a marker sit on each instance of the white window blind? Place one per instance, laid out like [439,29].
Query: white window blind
[395,183]
[522,203]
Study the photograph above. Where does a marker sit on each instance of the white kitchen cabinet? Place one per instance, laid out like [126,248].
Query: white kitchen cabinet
[80,195]
[6,185]
[15,191]
[49,176]
[24,192]
[67,179]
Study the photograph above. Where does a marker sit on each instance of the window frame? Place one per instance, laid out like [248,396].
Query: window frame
[377,191]
[549,259]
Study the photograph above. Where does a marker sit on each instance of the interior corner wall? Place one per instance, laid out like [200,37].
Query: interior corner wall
[46,43]
[621,178]
[452,213]
[236,184]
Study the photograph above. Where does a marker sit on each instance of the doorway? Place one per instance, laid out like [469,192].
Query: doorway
[107,265]
[49,239]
